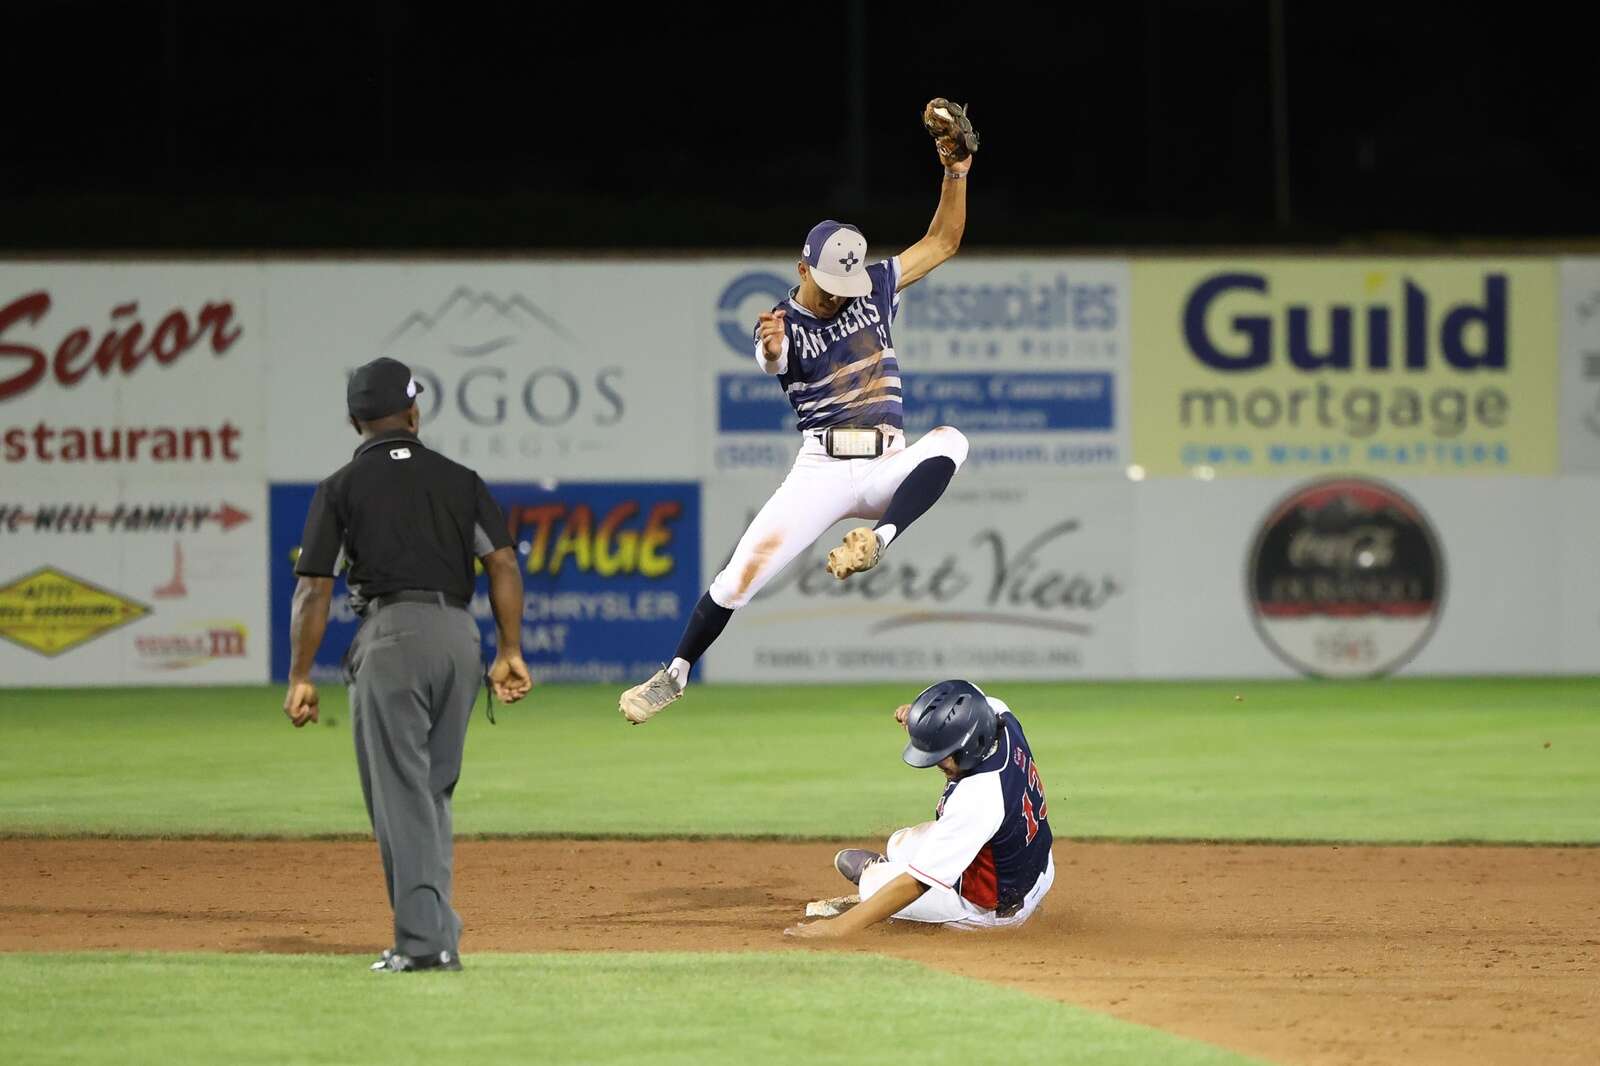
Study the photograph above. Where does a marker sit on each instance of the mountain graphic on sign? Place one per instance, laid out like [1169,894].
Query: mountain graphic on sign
[479,315]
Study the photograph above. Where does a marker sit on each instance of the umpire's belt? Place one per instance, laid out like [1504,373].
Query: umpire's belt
[443,599]
[846,442]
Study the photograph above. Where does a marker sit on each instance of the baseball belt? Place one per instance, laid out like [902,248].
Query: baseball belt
[843,442]
[442,599]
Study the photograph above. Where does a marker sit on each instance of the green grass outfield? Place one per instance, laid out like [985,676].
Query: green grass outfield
[1410,760]
[693,1010]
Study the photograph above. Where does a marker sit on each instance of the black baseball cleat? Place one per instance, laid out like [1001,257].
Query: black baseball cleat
[391,961]
[851,861]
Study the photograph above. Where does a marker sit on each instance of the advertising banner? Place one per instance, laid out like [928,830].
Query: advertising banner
[1005,578]
[139,370]
[132,458]
[1027,357]
[1391,367]
[1345,578]
[610,574]
[1291,419]
[1580,365]
[531,370]
[1354,577]
[133,582]
[1578,573]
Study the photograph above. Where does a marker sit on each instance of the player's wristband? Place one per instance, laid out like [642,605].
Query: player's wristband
[954,175]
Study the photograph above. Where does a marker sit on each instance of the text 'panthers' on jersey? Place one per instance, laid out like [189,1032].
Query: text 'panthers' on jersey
[992,838]
[841,371]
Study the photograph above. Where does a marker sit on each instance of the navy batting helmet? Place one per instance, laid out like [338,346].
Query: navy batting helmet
[950,718]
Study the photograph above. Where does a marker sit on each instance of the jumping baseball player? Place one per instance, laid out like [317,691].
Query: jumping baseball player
[830,347]
[985,860]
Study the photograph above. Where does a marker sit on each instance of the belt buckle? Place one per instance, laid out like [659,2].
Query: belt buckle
[844,442]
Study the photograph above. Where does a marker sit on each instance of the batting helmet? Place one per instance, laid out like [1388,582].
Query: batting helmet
[950,718]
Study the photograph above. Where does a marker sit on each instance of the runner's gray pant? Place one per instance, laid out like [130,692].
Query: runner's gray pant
[414,671]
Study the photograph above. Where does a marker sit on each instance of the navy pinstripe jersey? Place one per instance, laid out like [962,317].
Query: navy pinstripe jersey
[841,371]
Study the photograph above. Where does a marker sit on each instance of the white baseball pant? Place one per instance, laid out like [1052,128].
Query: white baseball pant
[940,905]
[818,492]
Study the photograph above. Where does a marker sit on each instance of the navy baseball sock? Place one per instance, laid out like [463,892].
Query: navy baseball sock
[705,626]
[918,492]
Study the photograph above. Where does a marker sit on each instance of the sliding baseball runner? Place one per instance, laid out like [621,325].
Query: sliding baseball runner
[985,861]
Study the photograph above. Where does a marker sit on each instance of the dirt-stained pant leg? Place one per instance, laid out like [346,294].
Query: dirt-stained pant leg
[416,670]
[817,493]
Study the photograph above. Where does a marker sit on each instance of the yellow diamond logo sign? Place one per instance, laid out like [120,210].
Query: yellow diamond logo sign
[50,612]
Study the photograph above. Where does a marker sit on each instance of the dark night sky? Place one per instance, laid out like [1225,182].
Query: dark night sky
[177,124]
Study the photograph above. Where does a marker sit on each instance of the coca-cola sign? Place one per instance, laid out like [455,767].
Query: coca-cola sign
[1346,579]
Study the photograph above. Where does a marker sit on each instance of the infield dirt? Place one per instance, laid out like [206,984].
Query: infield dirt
[1315,954]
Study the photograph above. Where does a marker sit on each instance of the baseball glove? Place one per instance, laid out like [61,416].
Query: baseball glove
[947,123]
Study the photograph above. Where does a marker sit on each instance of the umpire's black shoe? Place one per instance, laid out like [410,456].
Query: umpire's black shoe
[391,961]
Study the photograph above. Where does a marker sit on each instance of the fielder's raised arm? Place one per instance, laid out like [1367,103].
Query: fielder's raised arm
[955,140]
[829,345]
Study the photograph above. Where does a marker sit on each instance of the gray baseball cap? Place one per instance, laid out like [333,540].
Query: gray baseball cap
[836,252]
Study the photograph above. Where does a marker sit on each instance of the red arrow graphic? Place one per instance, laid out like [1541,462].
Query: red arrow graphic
[87,518]
[231,516]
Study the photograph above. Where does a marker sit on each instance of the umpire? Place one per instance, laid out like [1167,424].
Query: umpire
[409,523]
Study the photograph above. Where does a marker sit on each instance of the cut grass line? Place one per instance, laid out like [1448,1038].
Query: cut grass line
[45,833]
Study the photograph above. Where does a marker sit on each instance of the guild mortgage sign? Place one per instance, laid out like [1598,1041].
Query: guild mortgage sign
[1283,367]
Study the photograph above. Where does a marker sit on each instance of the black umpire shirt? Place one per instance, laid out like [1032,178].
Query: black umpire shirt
[405,517]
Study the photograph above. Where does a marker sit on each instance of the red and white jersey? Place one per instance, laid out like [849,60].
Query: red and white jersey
[992,839]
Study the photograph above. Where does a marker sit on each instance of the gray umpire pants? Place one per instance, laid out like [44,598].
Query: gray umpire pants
[414,671]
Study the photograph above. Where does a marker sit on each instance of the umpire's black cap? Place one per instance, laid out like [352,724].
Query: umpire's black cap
[382,387]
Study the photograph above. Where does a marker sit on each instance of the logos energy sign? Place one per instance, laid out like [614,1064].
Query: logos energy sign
[1413,366]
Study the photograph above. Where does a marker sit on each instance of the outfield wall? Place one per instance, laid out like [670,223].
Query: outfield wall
[1143,434]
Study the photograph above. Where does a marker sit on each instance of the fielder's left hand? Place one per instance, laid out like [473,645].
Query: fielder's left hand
[950,127]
